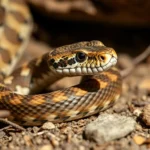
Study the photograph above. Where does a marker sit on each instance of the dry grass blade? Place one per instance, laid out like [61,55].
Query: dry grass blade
[136,61]
[12,124]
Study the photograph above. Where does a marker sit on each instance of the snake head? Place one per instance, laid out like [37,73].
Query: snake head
[83,58]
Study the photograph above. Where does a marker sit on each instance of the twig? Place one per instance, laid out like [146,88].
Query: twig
[12,124]
[126,72]
[5,128]
[40,133]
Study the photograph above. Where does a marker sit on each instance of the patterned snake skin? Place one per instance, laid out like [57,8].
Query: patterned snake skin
[99,89]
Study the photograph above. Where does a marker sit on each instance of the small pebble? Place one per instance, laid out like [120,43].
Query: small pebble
[137,112]
[36,129]
[27,140]
[48,126]
[139,127]
[139,140]
[46,147]
[109,127]
[2,134]
[146,115]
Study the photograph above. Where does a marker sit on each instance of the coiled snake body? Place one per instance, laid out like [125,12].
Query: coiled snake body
[99,88]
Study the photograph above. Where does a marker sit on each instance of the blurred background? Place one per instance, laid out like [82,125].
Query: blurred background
[121,24]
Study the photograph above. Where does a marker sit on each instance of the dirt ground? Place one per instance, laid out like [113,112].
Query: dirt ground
[134,101]
[70,136]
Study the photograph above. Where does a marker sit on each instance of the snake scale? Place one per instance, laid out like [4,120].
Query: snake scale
[99,88]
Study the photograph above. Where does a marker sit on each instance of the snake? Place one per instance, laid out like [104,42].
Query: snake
[99,88]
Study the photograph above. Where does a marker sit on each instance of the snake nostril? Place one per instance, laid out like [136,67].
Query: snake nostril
[102,58]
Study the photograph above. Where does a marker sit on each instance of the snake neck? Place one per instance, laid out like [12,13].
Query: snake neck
[42,75]
[32,77]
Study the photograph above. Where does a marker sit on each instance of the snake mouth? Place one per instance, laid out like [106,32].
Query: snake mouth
[87,70]
[112,62]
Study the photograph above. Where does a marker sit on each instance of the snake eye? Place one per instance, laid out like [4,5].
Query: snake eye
[80,56]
